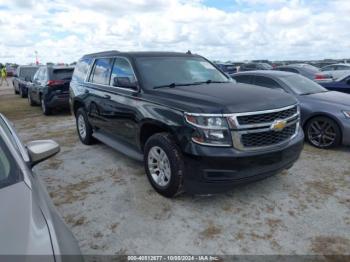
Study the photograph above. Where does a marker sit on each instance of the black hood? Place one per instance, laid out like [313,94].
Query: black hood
[221,98]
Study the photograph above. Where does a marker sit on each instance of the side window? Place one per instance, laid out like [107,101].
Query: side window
[122,73]
[342,67]
[102,71]
[245,79]
[43,76]
[37,75]
[81,70]
[266,82]
[287,69]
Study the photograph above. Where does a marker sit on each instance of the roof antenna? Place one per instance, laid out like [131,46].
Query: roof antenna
[189,52]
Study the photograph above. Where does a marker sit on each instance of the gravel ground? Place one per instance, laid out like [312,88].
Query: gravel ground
[106,200]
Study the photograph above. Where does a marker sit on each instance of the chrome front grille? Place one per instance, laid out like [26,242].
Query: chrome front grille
[267,117]
[264,129]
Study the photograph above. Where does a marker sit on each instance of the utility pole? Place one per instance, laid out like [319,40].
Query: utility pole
[36,58]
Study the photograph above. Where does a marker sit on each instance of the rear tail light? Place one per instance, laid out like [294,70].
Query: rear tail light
[320,77]
[55,82]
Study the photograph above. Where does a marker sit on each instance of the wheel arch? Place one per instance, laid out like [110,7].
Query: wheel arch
[323,114]
[150,127]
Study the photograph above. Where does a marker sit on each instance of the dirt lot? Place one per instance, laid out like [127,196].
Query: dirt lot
[106,200]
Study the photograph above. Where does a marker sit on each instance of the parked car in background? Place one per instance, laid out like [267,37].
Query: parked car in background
[341,84]
[50,88]
[305,70]
[11,70]
[325,115]
[194,129]
[29,223]
[23,76]
[227,68]
[336,70]
[255,66]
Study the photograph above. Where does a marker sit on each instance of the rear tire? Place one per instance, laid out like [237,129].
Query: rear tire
[21,93]
[46,110]
[323,132]
[164,164]
[84,128]
[30,100]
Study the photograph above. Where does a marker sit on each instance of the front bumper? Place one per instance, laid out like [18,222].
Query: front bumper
[346,132]
[213,170]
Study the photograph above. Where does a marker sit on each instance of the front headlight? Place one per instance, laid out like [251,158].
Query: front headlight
[347,114]
[210,130]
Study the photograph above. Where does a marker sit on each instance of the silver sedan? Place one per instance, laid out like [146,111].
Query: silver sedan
[29,224]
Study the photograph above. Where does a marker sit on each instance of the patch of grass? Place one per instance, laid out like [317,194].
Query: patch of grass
[211,232]
[330,245]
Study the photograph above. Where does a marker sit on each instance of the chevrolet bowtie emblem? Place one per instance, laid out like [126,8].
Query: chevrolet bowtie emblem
[278,125]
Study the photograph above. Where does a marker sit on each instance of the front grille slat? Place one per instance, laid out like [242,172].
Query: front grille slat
[255,130]
[267,138]
[267,117]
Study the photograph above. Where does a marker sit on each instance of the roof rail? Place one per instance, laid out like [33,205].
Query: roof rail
[111,52]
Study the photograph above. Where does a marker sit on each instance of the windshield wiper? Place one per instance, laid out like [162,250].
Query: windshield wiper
[172,85]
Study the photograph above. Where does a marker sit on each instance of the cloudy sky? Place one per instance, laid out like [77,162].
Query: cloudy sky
[63,30]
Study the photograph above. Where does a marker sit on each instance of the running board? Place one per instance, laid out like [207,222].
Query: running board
[118,145]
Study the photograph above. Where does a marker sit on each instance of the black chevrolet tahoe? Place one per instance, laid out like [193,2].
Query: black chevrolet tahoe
[194,129]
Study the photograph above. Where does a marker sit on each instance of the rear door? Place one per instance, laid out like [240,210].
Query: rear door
[98,93]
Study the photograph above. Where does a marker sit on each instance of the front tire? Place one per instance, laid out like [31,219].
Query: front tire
[323,132]
[164,164]
[83,127]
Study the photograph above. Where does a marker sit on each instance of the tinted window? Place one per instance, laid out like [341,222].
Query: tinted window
[266,82]
[342,67]
[9,171]
[302,85]
[27,72]
[245,79]
[81,70]
[102,71]
[122,69]
[62,74]
[287,69]
[159,71]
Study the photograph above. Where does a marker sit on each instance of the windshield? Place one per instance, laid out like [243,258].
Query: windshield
[166,71]
[28,72]
[302,85]
[9,171]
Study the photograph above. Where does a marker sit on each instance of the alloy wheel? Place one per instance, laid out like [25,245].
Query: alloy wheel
[159,166]
[322,133]
[81,126]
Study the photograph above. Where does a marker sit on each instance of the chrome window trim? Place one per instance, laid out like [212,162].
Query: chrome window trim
[90,71]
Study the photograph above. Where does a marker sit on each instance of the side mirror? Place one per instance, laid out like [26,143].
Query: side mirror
[27,79]
[124,82]
[41,150]
[15,75]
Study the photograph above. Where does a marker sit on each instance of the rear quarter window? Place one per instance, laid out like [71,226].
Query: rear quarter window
[81,70]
